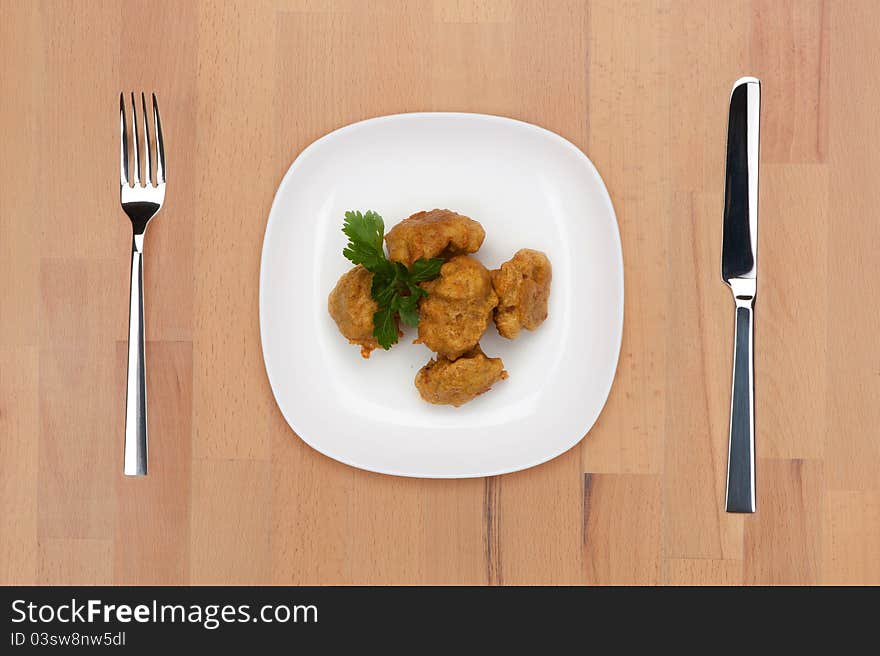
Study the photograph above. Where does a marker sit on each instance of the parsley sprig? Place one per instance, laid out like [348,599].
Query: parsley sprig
[395,288]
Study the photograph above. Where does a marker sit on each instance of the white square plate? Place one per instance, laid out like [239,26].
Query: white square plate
[529,188]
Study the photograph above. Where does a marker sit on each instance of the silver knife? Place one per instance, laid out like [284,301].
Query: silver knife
[739,269]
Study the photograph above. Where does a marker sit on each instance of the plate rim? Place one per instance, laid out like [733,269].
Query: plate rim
[618,272]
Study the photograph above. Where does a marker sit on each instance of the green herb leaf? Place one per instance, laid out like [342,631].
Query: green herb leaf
[425,269]
[365,233]
[408,308]
[383,290]
[416,290]
[384,327]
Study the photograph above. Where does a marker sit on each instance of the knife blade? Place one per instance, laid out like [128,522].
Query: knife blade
[740,241]
[739,269]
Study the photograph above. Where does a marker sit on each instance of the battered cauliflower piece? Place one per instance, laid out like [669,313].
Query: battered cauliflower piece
[438,233]
[444,382]
[458,308]
[523,288]
[352,308]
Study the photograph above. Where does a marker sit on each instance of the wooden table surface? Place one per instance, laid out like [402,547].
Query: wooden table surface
[233,496]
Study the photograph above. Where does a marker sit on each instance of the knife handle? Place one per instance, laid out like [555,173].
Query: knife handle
[740,496]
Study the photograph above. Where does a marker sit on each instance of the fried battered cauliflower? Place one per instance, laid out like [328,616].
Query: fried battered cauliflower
[447,382]
[352,308]
[438,233]
[458,307]
[523,288]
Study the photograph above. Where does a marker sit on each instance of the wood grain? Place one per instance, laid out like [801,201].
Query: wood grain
[234,496]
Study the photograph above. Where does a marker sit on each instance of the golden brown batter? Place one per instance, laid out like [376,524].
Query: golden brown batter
[444,382]
[352,308]
[438,233]
[458,307]
[523,288]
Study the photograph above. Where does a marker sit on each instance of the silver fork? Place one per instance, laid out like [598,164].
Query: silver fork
[141,200]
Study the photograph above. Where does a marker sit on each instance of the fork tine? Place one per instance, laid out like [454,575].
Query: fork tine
[148,152]
[136,141]
[160,144]
[123,143]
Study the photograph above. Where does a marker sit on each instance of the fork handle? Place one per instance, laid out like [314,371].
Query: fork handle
[136,389]
[741,454]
